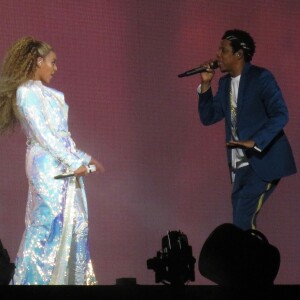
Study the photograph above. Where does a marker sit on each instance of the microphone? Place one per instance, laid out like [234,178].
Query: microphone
[213,65]
[91,168]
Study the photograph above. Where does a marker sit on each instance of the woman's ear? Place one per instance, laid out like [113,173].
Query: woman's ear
[39,61]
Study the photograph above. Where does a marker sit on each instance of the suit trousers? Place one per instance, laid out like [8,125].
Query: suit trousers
[249,193]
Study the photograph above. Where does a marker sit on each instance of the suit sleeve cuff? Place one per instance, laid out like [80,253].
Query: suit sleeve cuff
[199,89]
[257,148]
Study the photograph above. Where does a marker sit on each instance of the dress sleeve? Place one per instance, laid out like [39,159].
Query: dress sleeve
[86,158]
[31,110]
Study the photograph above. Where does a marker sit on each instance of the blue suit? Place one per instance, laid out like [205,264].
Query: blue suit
[261,117]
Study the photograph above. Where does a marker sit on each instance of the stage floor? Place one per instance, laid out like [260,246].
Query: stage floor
[149,292]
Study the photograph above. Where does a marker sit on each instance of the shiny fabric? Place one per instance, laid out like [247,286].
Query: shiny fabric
[54,249]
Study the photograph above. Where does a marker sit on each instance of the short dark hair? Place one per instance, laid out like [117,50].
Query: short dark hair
[241,39]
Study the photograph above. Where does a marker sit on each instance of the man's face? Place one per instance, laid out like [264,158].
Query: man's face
[226,58]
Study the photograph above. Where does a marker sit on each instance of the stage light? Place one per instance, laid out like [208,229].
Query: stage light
[174,264]
[234,257]
[7,268]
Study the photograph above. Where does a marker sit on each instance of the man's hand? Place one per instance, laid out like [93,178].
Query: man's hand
[241,144]
[206,77]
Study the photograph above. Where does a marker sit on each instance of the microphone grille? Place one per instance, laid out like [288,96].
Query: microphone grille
[214,64]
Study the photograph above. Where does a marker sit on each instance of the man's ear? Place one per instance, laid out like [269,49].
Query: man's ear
[239,53]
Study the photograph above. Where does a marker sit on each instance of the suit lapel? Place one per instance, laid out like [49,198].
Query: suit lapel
[240,99]
[227,101]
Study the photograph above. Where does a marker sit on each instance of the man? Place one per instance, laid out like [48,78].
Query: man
[250,101]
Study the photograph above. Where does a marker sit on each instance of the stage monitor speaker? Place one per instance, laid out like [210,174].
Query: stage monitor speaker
[234,257]
[6,267]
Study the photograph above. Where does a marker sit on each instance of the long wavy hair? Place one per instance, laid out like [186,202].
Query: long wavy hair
[19,65]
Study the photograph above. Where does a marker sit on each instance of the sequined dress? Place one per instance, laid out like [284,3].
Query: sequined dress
[54,249]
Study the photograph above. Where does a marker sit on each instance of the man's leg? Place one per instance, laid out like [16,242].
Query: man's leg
[249,194]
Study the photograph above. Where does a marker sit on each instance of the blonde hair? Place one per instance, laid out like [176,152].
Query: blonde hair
[19,65]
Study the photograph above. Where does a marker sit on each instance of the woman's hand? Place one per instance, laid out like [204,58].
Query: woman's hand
[83,170]
[99,166]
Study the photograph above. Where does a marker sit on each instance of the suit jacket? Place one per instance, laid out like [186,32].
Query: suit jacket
[261,116]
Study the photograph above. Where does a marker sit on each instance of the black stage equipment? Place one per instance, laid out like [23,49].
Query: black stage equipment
[175,264]
[234,257]
[7,268]
[213,65]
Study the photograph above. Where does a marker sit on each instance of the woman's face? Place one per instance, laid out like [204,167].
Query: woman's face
[46,67]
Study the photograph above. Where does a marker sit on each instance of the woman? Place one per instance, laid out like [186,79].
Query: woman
[54,248]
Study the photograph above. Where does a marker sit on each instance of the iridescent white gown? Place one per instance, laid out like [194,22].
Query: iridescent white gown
[54,248]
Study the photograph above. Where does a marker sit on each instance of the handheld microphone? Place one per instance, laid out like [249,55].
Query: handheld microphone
[213,65]
[91,168]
